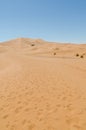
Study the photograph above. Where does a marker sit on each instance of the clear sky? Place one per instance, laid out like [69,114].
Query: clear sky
[52,20]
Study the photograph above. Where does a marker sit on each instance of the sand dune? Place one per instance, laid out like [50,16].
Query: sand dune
[42,85]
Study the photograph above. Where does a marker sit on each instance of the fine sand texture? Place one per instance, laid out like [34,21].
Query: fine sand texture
[42,85]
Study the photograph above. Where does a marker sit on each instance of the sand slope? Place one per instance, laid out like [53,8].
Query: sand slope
[40,90]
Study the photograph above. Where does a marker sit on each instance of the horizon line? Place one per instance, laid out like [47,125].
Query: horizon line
[35,38]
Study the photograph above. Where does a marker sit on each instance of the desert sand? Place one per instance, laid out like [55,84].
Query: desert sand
[42,85]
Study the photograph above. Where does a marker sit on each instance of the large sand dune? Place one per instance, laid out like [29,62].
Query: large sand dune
[42,85]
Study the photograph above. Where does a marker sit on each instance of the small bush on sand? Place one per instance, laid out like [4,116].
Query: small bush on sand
[81,56]
[32,44]
[54,53]
[77,54]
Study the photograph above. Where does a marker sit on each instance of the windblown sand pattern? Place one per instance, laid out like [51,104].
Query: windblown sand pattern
[42,85]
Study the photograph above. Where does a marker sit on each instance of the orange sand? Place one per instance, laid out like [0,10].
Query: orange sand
[40,90]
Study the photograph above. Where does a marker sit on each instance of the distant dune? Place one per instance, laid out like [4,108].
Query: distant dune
[42,85]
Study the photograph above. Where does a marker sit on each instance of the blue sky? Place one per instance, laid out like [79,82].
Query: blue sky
[52,20]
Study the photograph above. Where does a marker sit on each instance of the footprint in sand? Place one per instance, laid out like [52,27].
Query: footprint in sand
[40,111]
[55,110]
[75,127]
[24,122]
[5,116]
[13,127]
[18,109]
[64,98]
[31,127]
[27,109]
[19,102]
[7,125]
[1,109]
[58,105]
